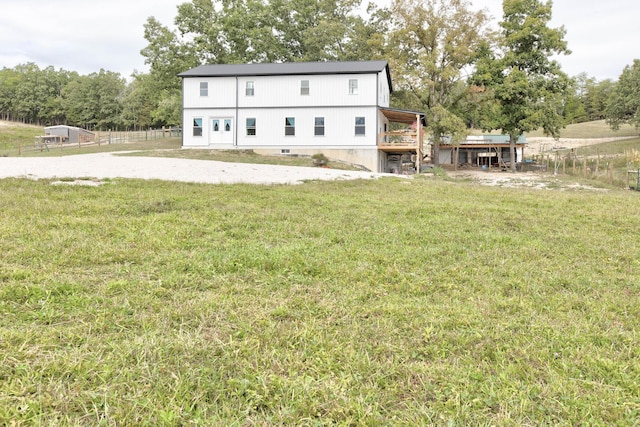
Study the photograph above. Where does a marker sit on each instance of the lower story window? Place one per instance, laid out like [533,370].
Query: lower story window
[319,126]
[360,126]
[197,127]
[251,126]
[290,126]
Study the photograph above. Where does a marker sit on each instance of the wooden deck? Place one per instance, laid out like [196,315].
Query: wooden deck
[398,141]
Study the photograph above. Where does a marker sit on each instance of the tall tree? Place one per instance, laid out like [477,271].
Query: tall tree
[596,98]
[252,31]
[526,87]
[574,108]
[624,102]
[431,44]
[93,101]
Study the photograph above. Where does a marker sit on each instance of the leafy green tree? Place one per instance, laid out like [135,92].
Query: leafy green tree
[624,102]
[31,94]
[52,110]
[137,104]
[326,30]
[593,95]
[10,79]
[574,110]
[93,101]
[596,98]
[525,86]
[431,43]
[252,31]
[169,109]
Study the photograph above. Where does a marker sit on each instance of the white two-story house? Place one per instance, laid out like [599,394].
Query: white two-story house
[340,109]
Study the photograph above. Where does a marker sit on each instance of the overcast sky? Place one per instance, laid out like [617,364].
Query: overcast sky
[87,35]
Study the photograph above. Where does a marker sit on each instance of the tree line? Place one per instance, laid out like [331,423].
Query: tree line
[447,60]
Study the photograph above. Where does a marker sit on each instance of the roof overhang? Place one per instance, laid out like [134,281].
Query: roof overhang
[403,116]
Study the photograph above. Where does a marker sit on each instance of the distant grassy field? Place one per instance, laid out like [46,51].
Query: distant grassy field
[13,134]
[596,129]
[388,302]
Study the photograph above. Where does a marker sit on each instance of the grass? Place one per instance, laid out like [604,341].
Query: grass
[13,134]
[606,162]
[240,156]
[595,129]
[587,130]
[389,302]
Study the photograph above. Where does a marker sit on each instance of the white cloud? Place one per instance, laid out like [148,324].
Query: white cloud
[85,36]
[82,36]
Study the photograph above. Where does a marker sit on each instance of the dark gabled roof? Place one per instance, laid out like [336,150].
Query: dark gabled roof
[289,69]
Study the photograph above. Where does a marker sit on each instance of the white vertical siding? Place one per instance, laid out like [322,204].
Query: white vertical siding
[324,91]
[222,92]
[383,89]
[205,140]
[339,129]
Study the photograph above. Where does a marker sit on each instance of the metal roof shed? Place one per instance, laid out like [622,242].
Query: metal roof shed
[69,133]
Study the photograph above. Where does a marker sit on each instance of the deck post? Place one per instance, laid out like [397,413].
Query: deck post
[419,140]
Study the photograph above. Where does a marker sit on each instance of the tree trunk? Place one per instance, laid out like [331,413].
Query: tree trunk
[512,151]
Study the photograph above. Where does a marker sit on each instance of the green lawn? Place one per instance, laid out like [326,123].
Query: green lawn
[390,302]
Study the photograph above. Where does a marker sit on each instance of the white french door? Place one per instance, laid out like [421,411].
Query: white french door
[221,130]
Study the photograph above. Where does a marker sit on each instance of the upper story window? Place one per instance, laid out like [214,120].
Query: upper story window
[249,90]
[353,86]
[290,126]
[204,89]
[304,87]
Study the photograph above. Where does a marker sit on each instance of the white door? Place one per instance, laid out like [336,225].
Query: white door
[221,131]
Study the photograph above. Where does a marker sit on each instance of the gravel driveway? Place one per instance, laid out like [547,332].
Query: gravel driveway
[108,165]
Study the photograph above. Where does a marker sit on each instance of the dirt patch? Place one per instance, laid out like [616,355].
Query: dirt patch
[533,180]
[80,182]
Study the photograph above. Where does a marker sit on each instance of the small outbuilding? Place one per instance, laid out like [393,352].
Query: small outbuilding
[69,134]
[484,151]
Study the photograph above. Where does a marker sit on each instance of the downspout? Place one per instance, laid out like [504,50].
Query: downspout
[235,134]
[419,139]
[184,123]
[377,128]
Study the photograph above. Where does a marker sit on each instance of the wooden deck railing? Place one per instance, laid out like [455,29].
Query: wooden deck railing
[398,139]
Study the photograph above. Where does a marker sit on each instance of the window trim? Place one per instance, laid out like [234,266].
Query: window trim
[289,126]
[249,127]
[318,127]
[197,128]
[353,86]
[305,89]
[360,128]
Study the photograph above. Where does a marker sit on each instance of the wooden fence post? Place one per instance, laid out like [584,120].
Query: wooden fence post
[584,167]
[611,173]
